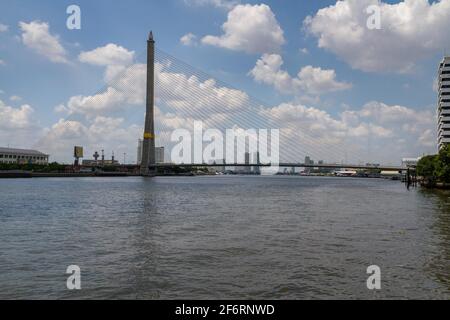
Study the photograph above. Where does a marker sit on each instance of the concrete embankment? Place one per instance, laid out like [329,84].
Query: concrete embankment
[29,174]
[15,174]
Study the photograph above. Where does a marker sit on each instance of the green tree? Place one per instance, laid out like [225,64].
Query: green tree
[427,167]
[442,169]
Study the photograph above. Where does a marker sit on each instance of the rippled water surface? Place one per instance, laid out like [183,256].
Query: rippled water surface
[222,237]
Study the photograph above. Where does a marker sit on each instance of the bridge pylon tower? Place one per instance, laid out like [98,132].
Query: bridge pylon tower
[148,144]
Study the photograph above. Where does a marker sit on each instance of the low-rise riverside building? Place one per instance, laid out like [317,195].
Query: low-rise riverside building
[22,156]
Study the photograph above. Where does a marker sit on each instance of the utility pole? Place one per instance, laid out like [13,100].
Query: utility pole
[148,144]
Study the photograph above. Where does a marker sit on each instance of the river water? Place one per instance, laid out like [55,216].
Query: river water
[222,237]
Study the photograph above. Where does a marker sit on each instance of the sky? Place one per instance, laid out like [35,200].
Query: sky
[355,92]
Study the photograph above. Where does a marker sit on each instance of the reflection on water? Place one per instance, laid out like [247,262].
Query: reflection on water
[222,237]
[439,264]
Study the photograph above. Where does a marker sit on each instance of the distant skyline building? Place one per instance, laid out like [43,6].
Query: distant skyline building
[308,161]
[444,102]
[159,153]
[139,152]
[256,160]
[247,168]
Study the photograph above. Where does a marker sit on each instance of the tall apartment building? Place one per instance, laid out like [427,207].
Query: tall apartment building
[444,102]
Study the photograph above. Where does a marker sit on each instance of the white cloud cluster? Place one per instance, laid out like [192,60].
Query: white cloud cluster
[36,36]
[189,39]
[17,125]
[126,87]
[15,98]
[410,31]
[190,93]
[103,133]
[309,80]
[15,118]
[387,130]
[252,29]
[110,54]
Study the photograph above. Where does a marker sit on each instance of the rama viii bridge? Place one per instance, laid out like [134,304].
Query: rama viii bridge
[177,96]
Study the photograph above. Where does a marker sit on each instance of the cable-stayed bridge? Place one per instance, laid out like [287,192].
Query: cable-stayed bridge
[177,95]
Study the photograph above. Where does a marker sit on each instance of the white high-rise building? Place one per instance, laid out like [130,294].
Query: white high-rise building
[159,154]
[139,152]
[444,103]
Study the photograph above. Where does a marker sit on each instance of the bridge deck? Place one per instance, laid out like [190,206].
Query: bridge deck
[288,165]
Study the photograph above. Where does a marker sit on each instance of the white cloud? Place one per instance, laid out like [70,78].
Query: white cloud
[3,27]
[309,80]
[225,4]
[15,118]
[15,98]
[253,29]
[380,127]
[189,39]
[36,35]
[110,134]
[101,103]
[189,92]
[127,88]
[110,54]
[410,31]
[18,126]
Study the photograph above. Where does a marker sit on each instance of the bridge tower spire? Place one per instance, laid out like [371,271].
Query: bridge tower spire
[148,145]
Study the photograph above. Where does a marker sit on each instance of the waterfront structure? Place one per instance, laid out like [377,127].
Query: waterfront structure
[410,162]
[94,162]
[444,102]
[23,156]
[148,145]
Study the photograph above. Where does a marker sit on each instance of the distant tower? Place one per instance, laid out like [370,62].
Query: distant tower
[148,145]
[103,158]
[112,157]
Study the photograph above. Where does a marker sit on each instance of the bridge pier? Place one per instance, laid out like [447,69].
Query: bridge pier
[148,144]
